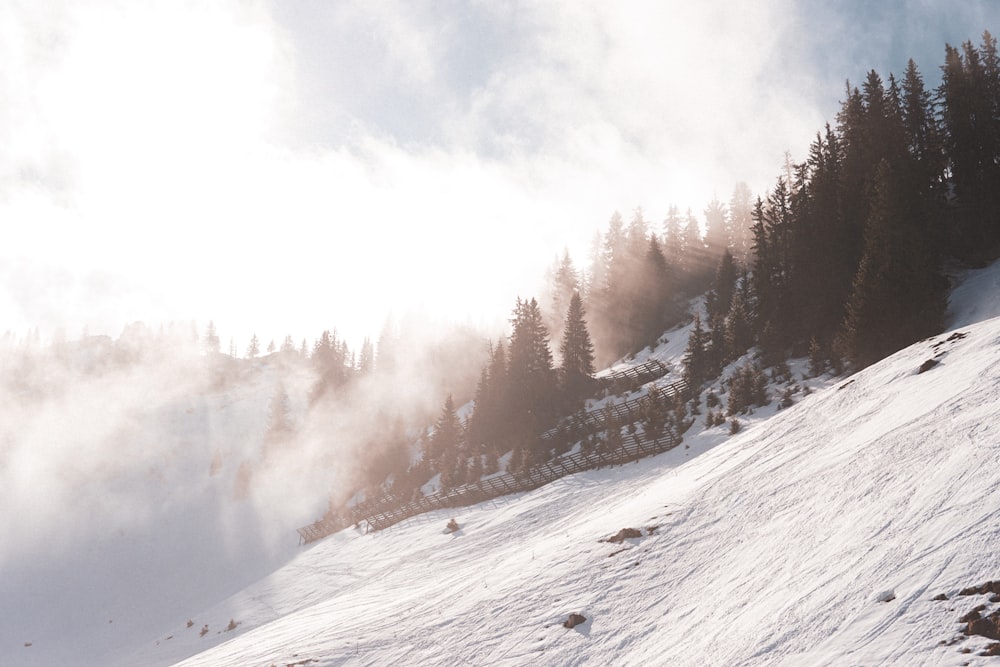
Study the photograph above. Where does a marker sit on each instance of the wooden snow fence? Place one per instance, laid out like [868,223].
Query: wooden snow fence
[388,510]
[582,424]
[633,377]
[632,449]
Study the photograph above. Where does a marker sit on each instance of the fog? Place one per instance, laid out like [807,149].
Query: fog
[282,168]
[142,478]
[287,168]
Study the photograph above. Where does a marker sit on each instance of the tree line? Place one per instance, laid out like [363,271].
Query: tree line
[841,260]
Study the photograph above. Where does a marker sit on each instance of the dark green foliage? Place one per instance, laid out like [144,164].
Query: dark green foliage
[747,389]
[898,296]
[817,358]
[655,413]
[970,112]
[696,363]
[577,352]
[712,399]
[719,299]
[531,397]
[563,282]
[787,398]
[330,359]
[631,295]
[739,324]
[443,448]
[488,422]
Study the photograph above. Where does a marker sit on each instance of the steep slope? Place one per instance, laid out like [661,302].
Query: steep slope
[817,536]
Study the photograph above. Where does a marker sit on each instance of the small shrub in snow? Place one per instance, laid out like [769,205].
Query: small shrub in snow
[714,418]
[747,388]
[712,399]
[735,426]
[190,623]
[787,399]
[204,630]
[232,625]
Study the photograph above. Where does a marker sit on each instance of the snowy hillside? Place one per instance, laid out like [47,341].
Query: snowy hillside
[819,535]
[780,545]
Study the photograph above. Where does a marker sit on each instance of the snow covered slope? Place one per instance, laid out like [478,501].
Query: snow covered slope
[817,536]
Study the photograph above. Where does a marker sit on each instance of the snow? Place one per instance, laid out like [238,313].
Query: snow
[818,535]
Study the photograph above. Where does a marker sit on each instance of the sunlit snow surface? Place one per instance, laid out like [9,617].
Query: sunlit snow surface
[779,545]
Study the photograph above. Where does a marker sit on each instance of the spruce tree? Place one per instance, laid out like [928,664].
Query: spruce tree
[253,349]
[444,445]
[695,358]
[531,376]
[577,353]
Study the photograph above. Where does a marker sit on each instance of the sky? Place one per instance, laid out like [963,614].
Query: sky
[288,167]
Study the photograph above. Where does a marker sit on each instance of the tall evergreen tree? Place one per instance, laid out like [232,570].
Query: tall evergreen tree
[253,349]
[530,373]
[488,422]
[739,223]
[717,238]
[577,353]
[695,357]
[445,442]
[563,283]
[898,297]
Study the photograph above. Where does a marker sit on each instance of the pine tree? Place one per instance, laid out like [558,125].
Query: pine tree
[717,238]
[564,282]
[739,223]
[898,295]
[531,375]
[253,349]
[577,353]
[739,321]
[719,298]
[445,442]
[695,359]
[366,362]
[211,338]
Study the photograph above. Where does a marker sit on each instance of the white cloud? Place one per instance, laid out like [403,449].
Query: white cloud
[284,169]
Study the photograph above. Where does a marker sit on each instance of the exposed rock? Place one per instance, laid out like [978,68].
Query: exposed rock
[574,620]
[973,615]
[622,535]
[988,627]
[988,587]
[927,365]
[939,597]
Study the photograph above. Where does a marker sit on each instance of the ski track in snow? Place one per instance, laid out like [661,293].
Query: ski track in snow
[772,547]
